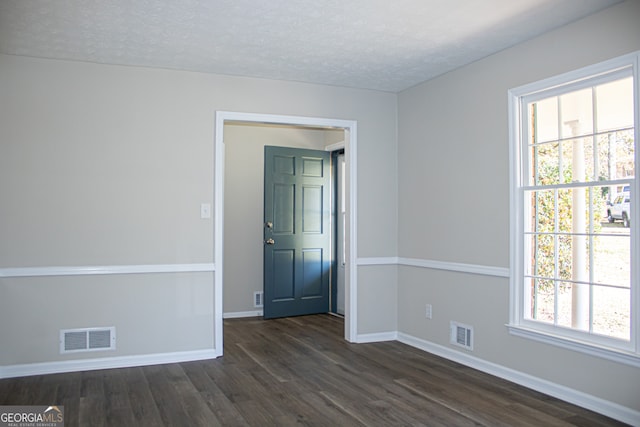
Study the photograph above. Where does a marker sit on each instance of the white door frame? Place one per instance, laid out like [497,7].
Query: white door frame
[351,285]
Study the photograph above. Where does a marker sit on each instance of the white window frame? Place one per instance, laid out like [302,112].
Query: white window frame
[628,353]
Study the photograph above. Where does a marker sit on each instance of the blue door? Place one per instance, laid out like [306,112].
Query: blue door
[297,235]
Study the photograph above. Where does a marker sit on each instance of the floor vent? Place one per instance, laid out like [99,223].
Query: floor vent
[462,335]
[257,299]
[87,339]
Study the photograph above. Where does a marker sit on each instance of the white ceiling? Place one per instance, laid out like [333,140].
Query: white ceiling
[387,45]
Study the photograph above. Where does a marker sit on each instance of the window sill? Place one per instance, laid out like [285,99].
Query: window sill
[616,355]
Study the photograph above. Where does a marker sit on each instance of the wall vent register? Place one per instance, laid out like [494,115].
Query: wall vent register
[258,299]
[87,339]
[461,335]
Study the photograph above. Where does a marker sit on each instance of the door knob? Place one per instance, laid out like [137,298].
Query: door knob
[268,224]
[270,241]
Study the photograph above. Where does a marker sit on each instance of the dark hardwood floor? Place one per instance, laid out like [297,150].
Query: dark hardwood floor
[296,371]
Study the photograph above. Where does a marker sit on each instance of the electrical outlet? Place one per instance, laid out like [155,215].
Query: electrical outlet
[428,311]
[205,210]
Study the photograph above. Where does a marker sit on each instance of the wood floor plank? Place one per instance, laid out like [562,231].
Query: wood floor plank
[92,411]
[472,407]
[92,405]
[330,413]
[234,382]
[292,372]
[20,391]
[191,400]
[117,403]
[46,392]
[164,396]
[92,383]
[144,409]
[68,395]
[224,410]
[257,415]
[211,395]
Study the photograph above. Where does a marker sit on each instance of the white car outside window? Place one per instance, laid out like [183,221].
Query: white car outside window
[620,209]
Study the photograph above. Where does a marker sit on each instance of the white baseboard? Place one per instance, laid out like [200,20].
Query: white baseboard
[239,314]
[593,403]
[29,369]
[378,337]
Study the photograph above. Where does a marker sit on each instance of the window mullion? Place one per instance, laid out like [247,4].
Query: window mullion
[560,139]
[634,232]
[596,175]
[556,216]
[591,259]
[556,257]
[596,149]
[534,147]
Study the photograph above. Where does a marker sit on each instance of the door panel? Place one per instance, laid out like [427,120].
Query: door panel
[312,166]
[284,165]
[312,209]
[284,278]
[283,208]
[296,233]
[312,273]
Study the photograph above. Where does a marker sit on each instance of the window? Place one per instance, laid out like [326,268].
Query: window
[574,279]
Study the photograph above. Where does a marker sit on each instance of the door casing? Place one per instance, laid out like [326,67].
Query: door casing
[350,147]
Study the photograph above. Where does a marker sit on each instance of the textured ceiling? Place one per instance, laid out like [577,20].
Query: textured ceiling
[387,45]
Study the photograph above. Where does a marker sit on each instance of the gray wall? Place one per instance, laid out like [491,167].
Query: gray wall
[108,165]
[454,200]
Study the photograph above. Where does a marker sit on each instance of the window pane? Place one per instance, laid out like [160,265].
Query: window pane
[573,210]
[625,154]
[588,159]
[611,258]
[543,263]
[614,105]
[597,197]
[544,116]
[615,155]
[565,259]
[564,304]
[565,210]
[545,166]
[590,202]
[611,312]
[566,161]
[576,113]
[580,304]
[543,211]
[577,162]
[543,301]
[579,259]
[529,297]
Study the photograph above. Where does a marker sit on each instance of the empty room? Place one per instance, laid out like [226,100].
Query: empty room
[319,213]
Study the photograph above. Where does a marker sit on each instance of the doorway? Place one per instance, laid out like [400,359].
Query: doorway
[349,128]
